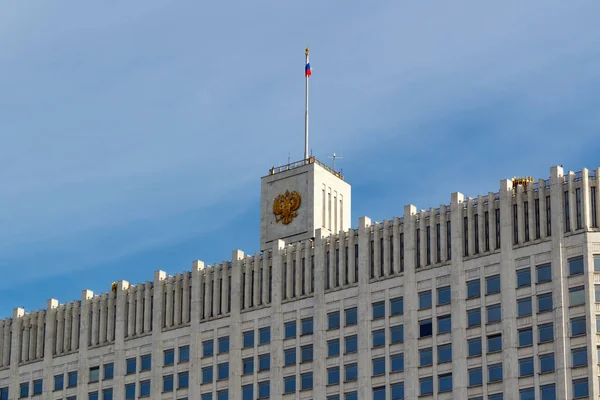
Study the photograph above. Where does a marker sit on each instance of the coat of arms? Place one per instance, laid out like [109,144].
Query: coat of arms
[285,207]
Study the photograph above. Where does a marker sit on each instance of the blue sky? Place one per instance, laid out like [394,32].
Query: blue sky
[133,135]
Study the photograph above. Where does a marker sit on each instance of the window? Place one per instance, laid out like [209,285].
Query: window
[425,328]
[444,324]
[524,307]
[167,383]
[4,393]
[546,333]
[351,372]
[289,356]
[333,348]
[59,383]
[264,390]
[527,394]
[351,316]
[544,302]
[546,363]
[351,396]
[130,391]
[248,392]
[526,366]
[130,366]
[72,378]
[397,391]
[37,386]
[576,265]
[475,377]
[524,277]
[496,396]
[168,355]
[223,371]
[597,262]
[306,381]
[397,304]
[578,326]
[109,371]
[379,393]
[444,295]
[425,300]
[24,390]
[495,372]
[264,362]
[306,353]
[444,353]
[248,339]
[425,357]
[548,392]
[289,384]
[474,346]
[93,395]
[290,329]
[397,362]
[525,337]
[580,388]
[473,289]
[494,343]
[351,343]
[579,357]
[306,326]
[224,344]
[426,385]
[445,383]
[397,334]
[333,375]
[223,394]
[378,310]
[597,293]
[107,394]
[493,313]
[94,374]
[544,273]
[378,337]
[577,296]
[207,348]
[207,396]
[379,366]
[333,320]
[248,364]
[492,284]
[474,317]
[207,374]
[264,335]
[184,354]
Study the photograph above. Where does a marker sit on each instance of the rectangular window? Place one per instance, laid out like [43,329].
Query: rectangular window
[476,232]
[526,219]
[289,384]
[223,394]
[167,383]
[264,335]
[59,382]
[492,284]
[333,320]
[444,353]
[474,317]
[379,393]
[37,386]
[351,344]
[525,337]
[536,206]
[494,343]
[94,374]
[290,329]
[486,230]
[224,344]
[525,367]
[465,236]
[548,392]
[475,377]
[223,371]
[306,326]
[378,309]
[497,228]
[593,206]
[397,334]
[515,225]
[444,295]
[397,362]
[546,333]
[425,357]
[264,390]
[107,394]
[248,339]
[579,357]
[494,313]
[523,277]
[474,346]
[449,240]
[306,353]
[544,273]
[544,302]
[72,378]
[576,296]
[289,355]
[207,348]
[425,328]
[578,326]
[183,380]
[351,316]
[473,289]
[207,374]
[378,337]
[130,366]
[184,354]
[130,391]
[578,207]
[524,307]
[495,372]
[397,304]
[264,361]
[567,219]
[351,372]
[546,363]
[444,324]
[379,366]
[248,363]
[169,359]
[580,388]
[445,383]
[426,386]
[576,265]
[333,375]
[333,348]
[425,300]
[248,392]
[109,371]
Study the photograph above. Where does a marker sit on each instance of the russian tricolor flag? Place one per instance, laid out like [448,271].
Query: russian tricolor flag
[307,69]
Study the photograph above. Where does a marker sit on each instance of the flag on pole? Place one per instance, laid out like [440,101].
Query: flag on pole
[307,69]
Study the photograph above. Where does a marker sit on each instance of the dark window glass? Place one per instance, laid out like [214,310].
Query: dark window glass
[579,357]
[184,354]
[525,337]
[306,381]
[307,326]
[494,313]
[379,366]
[378,310]
[397,362]
[425,328]
[264,390]
[333,347]
[224,344]
[351,372]
[223,371]
[475,377]
[527,394]
[577,296]
[444,324]
[397,391]
[544,273]
[130,391]
[109,371]
[580,388]
[426,385]
[207,374]
[544,302]
[306,353]
[290,329]
[397,334]
[351,315]
[223,394]
[333,320]
[548,392]
[474,317]
[207,348]
[473,289]
[59,382]
[576,265]
[248,365]
[397,304]
[524,307]
[94,374]
[546,333]
[168,355]
[145,388]
[425,357]
[24,389]
[492,284]
[379,393]
[167,383]
[494,343]
[495,372]
[578,326]
[444,353]
[248,392]
[547,363]
[264,335]
[289,384]
[474,346]
[351,344]
[425,300]
[444,295]
[526,366]
[290,356]
[264,362]
[130,365]
[72,378]
[333,375]
[524,277]
[248,338]
[37,386]
[445,383]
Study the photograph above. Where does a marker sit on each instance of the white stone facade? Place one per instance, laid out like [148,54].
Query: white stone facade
[419,269]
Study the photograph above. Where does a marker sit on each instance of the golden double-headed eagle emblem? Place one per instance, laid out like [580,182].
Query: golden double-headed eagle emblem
[285,206]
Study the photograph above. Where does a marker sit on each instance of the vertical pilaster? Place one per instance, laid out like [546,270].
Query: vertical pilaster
[443,234]
[542,201]
[103,317]
[590,314]
[49,339]
[411,301]
[364,303]
[68,326]
[396,245]
[376,262]
[186,298]
[169,307]
[586,215]
[422,238]
[25,339]
[177,300]
[94,325]
[76,326]
[138,308]
[15,351]
[520,213]
[256,292]
[277,360]
[480,223]
[130,312]
[387,268]
[110,319]
[60,329]
[531,212]
[492,217]
[351,257]
[298,269]
[246,265]
[120,332]
[148,307]
[235,350]
[216,293]
[226,273]
[160,279]
[470,228]
[196,339]
[84,341]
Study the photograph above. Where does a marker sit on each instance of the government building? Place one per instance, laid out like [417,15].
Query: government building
[486,298]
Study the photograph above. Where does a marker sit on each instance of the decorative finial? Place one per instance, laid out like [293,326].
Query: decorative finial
[307,50]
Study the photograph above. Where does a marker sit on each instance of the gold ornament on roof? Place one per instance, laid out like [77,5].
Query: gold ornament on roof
[285,206]
[523,181]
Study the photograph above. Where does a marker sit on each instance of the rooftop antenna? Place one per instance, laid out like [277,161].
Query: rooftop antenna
[334,157]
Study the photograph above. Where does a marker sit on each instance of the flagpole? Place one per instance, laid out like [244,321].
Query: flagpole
[306,75]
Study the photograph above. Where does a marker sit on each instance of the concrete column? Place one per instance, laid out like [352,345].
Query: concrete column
[470,227]
[277,319]
[110,319]
[443,234]
[25,339]
[87,298]
[195,333]
[288,294]
[433,235]
[307,266]
[351,257]
[333,261]
[586,215]
[238,262]
[480,223]
[411,302]
[520,213]
[75,328]
[320,320]
[139,315]
[2,322]
[94,326]
[265,279]
[297,270]
[49,340]
[542,198]
[208,292]
[169,308]
[376,262]
[572,202]
[60,329]
[103,317]
[423,238]
[121,295]
[531,212]
[492,216]
[559,284]
[216,294]
[342,254]
[40,334]
[246,265]
[590,314]
[32,335]
[186,298]
[256,292]
[131,312]
[68,326]
[6,342]
[177,300]
[148,307]
[364,313]
[160,278]
[15,352]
